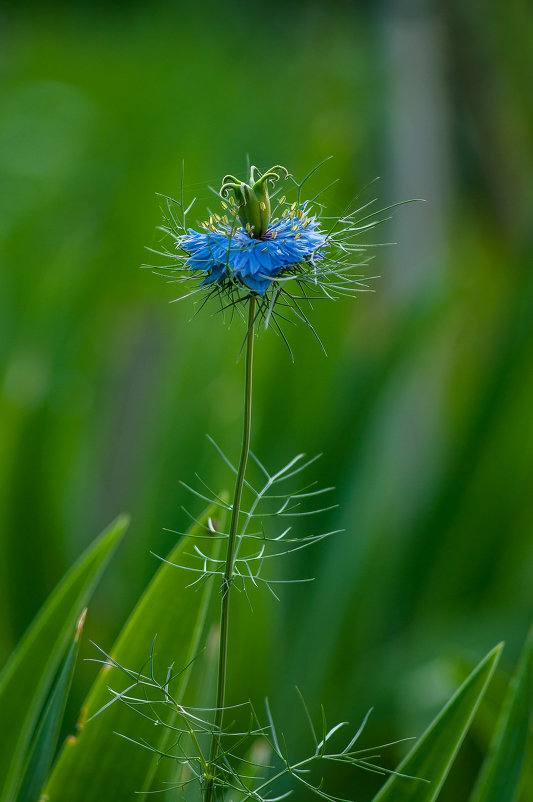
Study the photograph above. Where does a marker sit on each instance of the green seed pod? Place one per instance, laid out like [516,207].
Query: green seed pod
[252,200]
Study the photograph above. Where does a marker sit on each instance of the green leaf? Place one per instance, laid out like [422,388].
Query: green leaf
[47,735]
[201,692]
[500,776]
[430,760]
[26,679]
[98,765]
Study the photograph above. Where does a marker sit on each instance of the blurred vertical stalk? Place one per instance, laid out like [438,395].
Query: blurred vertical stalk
[403,424]
[230,558]
[420,160]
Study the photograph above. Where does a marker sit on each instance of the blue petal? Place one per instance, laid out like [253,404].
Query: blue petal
[254,262]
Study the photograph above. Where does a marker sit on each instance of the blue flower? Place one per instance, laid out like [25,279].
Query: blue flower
[278,251]
[225,254]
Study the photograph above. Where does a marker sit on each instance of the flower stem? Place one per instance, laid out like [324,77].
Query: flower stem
[230,557]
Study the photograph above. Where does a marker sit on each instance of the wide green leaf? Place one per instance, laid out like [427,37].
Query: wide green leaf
[98,765]
[500,776]
[201,692]
[431,758]
[47,734]
[26,679]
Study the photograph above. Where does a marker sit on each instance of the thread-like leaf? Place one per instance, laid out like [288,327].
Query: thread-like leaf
[98,765]
[500,776]
[46,737]
[433,755]
[26,679]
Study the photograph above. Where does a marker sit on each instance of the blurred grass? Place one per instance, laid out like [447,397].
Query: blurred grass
[423,408]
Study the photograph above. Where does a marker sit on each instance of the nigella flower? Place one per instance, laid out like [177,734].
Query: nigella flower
[282,252]
[225,254]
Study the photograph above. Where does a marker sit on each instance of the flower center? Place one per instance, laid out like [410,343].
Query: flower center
[252,199]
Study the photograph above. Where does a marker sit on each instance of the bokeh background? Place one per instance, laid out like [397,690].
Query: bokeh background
[423,407]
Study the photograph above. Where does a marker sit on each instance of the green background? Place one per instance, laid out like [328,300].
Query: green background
[423,406]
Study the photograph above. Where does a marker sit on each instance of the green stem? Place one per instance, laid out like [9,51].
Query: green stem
[230,557]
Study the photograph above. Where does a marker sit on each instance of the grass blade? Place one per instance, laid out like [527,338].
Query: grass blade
[47,734]
[26,679]
[97,765]
[500,776]
[433,755]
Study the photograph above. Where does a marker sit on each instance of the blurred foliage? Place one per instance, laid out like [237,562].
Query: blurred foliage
[423,407]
